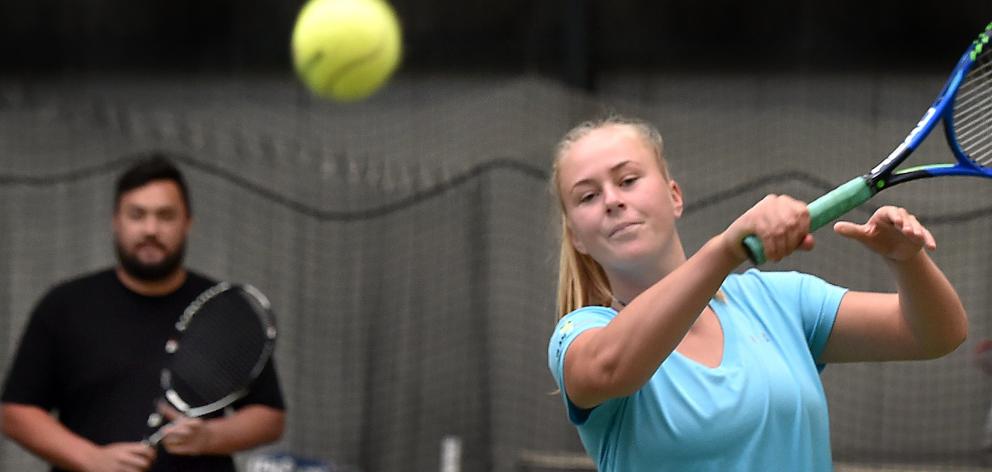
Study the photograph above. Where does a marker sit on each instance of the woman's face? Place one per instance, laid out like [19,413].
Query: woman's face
[619,206]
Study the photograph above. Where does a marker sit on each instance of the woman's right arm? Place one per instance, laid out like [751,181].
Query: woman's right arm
[619,358]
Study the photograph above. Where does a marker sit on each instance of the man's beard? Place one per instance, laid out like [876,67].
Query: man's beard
[150,272]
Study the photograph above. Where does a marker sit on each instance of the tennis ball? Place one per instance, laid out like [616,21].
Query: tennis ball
[345,50]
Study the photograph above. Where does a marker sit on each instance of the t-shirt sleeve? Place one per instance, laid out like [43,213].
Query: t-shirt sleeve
[819,301]
[31,378]
[568,328]
[265,390]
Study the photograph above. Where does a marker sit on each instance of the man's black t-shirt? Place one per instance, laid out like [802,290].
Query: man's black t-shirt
[93,352]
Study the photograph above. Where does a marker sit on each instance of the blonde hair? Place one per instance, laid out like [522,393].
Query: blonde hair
[581,280]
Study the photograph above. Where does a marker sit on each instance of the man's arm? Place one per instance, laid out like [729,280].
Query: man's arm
[37,431]
[246,428]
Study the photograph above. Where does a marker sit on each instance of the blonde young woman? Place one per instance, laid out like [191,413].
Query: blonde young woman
[668,362]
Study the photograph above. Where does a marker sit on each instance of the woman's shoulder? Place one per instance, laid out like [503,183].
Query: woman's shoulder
[777,285]
[585,317]
[592,310]
[754,275]
[588,312]
[767,281]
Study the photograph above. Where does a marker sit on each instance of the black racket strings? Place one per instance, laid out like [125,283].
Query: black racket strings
[220,351]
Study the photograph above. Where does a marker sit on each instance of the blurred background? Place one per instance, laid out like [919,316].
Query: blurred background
[579,41]
[407,241]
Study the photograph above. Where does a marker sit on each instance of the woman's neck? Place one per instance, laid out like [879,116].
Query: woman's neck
[630,282]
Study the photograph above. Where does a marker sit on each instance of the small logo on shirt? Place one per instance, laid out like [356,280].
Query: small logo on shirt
[565,329]
[760,338]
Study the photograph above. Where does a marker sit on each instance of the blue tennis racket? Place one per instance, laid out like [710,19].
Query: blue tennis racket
[965,107]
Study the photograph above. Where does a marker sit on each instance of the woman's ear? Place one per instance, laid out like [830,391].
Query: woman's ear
[676,194]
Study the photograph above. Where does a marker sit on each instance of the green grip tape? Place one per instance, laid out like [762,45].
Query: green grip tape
[822,211]
[755,250]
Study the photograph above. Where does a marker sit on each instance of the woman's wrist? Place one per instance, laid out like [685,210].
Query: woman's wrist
[727,251]
[732,247]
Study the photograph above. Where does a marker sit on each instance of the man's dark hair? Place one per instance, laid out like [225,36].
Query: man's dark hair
[150,167]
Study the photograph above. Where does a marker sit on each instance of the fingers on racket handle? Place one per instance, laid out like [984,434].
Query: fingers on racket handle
[755,250]
[823,210]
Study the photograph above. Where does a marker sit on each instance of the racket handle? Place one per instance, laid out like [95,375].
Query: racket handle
[156,437]
[823,210]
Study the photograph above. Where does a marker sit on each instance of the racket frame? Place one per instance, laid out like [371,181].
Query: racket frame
[858,190]
[172,346]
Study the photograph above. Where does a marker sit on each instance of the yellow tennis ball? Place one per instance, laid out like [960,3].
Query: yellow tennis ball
[345,50]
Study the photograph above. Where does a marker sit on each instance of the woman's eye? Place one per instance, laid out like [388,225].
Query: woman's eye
[627,181]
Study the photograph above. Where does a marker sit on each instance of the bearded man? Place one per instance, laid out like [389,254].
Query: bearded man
[85,377]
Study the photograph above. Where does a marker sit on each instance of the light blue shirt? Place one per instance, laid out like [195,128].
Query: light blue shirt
[762,409]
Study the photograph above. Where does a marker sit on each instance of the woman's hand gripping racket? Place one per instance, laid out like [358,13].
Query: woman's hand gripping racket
[964,105]
[222,342]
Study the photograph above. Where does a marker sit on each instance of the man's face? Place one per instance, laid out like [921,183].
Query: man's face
[150,228]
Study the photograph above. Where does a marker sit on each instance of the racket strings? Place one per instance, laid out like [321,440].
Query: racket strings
[210,374]
[973,111]
[219,352]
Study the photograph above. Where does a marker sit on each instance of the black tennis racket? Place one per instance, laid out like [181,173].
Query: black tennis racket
[965,107]
[222,342]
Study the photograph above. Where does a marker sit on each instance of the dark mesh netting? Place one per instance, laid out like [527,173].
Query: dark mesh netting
[407,243]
